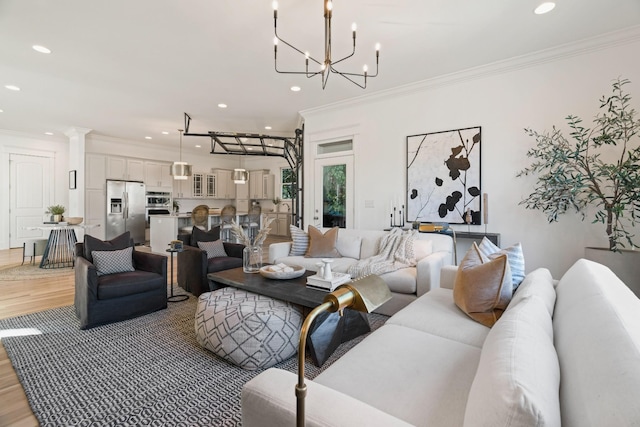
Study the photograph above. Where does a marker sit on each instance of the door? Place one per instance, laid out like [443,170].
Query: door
[333,192]
[30,195]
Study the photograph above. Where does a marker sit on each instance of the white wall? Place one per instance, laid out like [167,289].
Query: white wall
[537,91]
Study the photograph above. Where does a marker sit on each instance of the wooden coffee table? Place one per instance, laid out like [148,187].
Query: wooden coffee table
[327,332]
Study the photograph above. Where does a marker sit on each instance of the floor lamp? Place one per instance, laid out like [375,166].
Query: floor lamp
[364,294]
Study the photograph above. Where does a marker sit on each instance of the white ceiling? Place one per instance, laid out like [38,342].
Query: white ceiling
[130,68]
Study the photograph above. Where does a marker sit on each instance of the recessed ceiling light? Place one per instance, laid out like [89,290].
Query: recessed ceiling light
[41,49]
[1,111]
[12,87]
[147,137]
[222,105]
[295,88]
[198,146]
[544,7]
[48,133]
[267,127]
[165,132]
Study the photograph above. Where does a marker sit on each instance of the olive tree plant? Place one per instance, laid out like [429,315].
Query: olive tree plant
[597,167]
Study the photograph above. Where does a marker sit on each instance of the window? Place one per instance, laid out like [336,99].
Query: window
[286,182]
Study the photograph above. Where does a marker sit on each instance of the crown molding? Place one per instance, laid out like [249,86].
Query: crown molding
[567,50]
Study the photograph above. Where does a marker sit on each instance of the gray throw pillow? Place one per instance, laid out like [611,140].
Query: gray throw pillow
[198,235]
[112,262]
[213,249]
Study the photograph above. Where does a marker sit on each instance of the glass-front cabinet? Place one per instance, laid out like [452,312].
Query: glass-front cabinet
[198,185]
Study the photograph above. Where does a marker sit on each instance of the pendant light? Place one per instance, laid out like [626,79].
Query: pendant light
[240,176]
[180,170]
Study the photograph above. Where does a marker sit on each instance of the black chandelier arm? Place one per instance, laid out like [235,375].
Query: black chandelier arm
[348,56]
[293,47]
[187,122]
[346,76]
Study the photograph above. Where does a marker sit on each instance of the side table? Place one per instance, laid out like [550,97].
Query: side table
[172,297]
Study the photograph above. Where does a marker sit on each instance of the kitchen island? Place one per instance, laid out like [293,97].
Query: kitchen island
[165,228]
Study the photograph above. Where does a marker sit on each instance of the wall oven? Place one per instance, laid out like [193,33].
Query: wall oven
[157,203]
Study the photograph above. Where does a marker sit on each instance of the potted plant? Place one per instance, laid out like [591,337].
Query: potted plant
[596,168]
[56,211]
[276,202]
[176,206]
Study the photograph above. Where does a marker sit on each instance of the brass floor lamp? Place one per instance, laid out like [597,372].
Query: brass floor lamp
[364,294]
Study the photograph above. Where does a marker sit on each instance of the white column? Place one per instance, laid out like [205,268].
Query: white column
[76,137]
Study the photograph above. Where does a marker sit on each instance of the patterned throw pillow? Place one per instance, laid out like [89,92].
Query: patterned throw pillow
[300,241]
[111,262]
[514,255]
[213,249]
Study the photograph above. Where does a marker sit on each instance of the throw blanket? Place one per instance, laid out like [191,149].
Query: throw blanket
[396,252]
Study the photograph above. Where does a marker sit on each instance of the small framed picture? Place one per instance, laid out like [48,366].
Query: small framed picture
[72,180]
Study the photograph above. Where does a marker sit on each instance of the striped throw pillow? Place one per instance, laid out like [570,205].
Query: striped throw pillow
[300,241]
[111,262]
[213,249]
[514,256]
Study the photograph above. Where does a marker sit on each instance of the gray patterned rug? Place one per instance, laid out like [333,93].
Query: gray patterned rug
[145,371]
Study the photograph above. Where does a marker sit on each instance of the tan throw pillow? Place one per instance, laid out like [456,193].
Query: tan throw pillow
[322,245]
[483,287]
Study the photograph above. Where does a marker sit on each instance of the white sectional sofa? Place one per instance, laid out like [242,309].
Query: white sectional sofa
[560,355]
[433,251]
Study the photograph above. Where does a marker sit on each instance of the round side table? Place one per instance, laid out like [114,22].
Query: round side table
[172,297]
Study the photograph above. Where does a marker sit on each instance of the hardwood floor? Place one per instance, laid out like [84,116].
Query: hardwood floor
[18,297]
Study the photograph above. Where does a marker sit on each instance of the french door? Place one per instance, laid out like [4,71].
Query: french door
[333,192]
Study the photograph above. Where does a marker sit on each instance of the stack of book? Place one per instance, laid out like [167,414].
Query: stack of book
[317,282]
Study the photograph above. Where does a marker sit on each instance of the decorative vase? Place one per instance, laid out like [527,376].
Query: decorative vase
[251,259]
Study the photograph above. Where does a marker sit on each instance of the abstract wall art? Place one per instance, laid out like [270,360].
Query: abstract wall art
[443,176]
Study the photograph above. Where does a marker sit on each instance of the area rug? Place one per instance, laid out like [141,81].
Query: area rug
[29,271]
[144,371]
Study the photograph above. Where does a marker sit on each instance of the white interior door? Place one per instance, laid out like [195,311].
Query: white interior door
[30,195]
[333,192]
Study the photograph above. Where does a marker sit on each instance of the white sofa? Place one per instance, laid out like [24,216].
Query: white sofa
[433,251]
[566,355]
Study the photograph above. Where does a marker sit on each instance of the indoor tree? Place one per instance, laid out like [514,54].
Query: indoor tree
[597,167]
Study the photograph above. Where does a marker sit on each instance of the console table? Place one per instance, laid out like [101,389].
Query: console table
[60,251]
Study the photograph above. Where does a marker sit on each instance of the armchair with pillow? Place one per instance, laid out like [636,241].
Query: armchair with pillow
[114,282]
[204,253]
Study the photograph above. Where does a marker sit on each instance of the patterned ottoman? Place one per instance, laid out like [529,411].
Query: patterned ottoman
[249,330]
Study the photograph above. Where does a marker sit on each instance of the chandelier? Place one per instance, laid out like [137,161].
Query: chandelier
[327,66]
[180,170]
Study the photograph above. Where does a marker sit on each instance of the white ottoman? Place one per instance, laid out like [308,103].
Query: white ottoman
[249,330]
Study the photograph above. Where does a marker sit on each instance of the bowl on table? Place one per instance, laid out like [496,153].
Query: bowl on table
[268,272]
[73,220]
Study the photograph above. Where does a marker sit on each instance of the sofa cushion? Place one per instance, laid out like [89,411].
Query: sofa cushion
[424,379]
[129,283]
[348,245]
[111,262]
[538,283]
[597,336]
[198,235]
[402,281]
[436,313]
[223,263]
[422,248]
[92,244]
[514,254]
[482,288]
[300,241]
[213,249]
[322,245]
[518,378]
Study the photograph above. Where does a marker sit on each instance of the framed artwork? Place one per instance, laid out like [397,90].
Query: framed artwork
[72,180]
[443,176]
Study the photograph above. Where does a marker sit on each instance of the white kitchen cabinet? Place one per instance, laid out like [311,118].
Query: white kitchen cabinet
[197,185]
[95,171]
[225,187]
[95,211]
[182,188]
[125,169]
[280,224]
[261,184]
[242,197]
[211,185]
[157,175]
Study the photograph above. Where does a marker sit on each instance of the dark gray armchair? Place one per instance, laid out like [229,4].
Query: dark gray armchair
[120,296]
[193,264]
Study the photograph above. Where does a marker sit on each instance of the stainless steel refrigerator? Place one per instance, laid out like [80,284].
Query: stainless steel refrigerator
[125,209]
